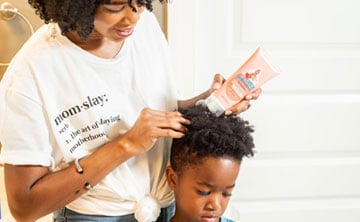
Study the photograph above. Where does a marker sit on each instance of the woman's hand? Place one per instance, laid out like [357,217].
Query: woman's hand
[218,80]
[151,125]
[244,104]
[241,106]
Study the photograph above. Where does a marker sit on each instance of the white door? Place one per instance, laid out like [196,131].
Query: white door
[307,121]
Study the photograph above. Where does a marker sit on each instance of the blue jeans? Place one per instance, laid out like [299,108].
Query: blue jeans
[66,215]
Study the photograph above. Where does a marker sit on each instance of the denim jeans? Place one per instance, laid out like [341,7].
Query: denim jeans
[67,215]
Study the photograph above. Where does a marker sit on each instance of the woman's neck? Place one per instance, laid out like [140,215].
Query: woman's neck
[97,45]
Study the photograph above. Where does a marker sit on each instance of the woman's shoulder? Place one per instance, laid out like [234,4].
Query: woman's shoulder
[40,46]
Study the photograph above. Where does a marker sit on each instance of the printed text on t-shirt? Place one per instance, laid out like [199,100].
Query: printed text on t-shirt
[87,104]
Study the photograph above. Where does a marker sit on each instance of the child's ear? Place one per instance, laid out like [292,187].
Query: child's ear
[171,177]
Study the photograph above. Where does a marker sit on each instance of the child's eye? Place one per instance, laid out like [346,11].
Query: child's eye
[203,193]
[226,194]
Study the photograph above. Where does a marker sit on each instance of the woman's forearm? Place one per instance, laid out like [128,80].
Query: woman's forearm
[191,102]
[34,192]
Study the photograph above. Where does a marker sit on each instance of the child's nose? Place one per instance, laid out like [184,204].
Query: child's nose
[214,203]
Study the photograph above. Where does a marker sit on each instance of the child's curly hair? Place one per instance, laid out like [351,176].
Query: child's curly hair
[75,15]
[211,136]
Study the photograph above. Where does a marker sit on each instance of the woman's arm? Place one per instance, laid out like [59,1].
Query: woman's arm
[34,191]
[217,82]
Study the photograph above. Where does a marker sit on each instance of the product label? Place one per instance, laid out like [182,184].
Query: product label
[249,76]
[249,79]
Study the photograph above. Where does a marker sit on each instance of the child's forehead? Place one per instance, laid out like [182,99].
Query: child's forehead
[217,163]
[213,170]
[214,161]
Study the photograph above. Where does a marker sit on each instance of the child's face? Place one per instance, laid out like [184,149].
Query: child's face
[202,192]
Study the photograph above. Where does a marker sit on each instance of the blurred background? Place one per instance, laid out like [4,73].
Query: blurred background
[15,28]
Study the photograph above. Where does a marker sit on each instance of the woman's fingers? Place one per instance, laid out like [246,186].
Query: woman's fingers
[153,124]
[217,82]
[168,120]
[239,107]
[244,104]
[254,95]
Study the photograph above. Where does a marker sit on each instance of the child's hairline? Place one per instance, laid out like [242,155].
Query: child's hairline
[194,165]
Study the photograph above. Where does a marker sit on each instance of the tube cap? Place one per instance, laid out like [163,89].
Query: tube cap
[213,104]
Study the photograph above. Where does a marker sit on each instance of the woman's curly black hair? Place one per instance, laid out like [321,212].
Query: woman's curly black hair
[211,136]
[75,15]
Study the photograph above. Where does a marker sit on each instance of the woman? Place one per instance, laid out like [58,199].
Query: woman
[87,114]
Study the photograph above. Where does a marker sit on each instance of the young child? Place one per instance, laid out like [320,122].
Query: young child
[205,163]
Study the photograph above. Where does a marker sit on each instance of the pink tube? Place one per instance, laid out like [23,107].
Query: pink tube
[250,76]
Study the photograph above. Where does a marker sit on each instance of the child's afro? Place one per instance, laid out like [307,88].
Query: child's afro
[211,136]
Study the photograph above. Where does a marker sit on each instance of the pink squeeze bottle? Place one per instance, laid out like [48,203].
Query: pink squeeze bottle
[251,75]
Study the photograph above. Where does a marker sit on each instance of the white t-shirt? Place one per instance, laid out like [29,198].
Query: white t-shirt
[59,102]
